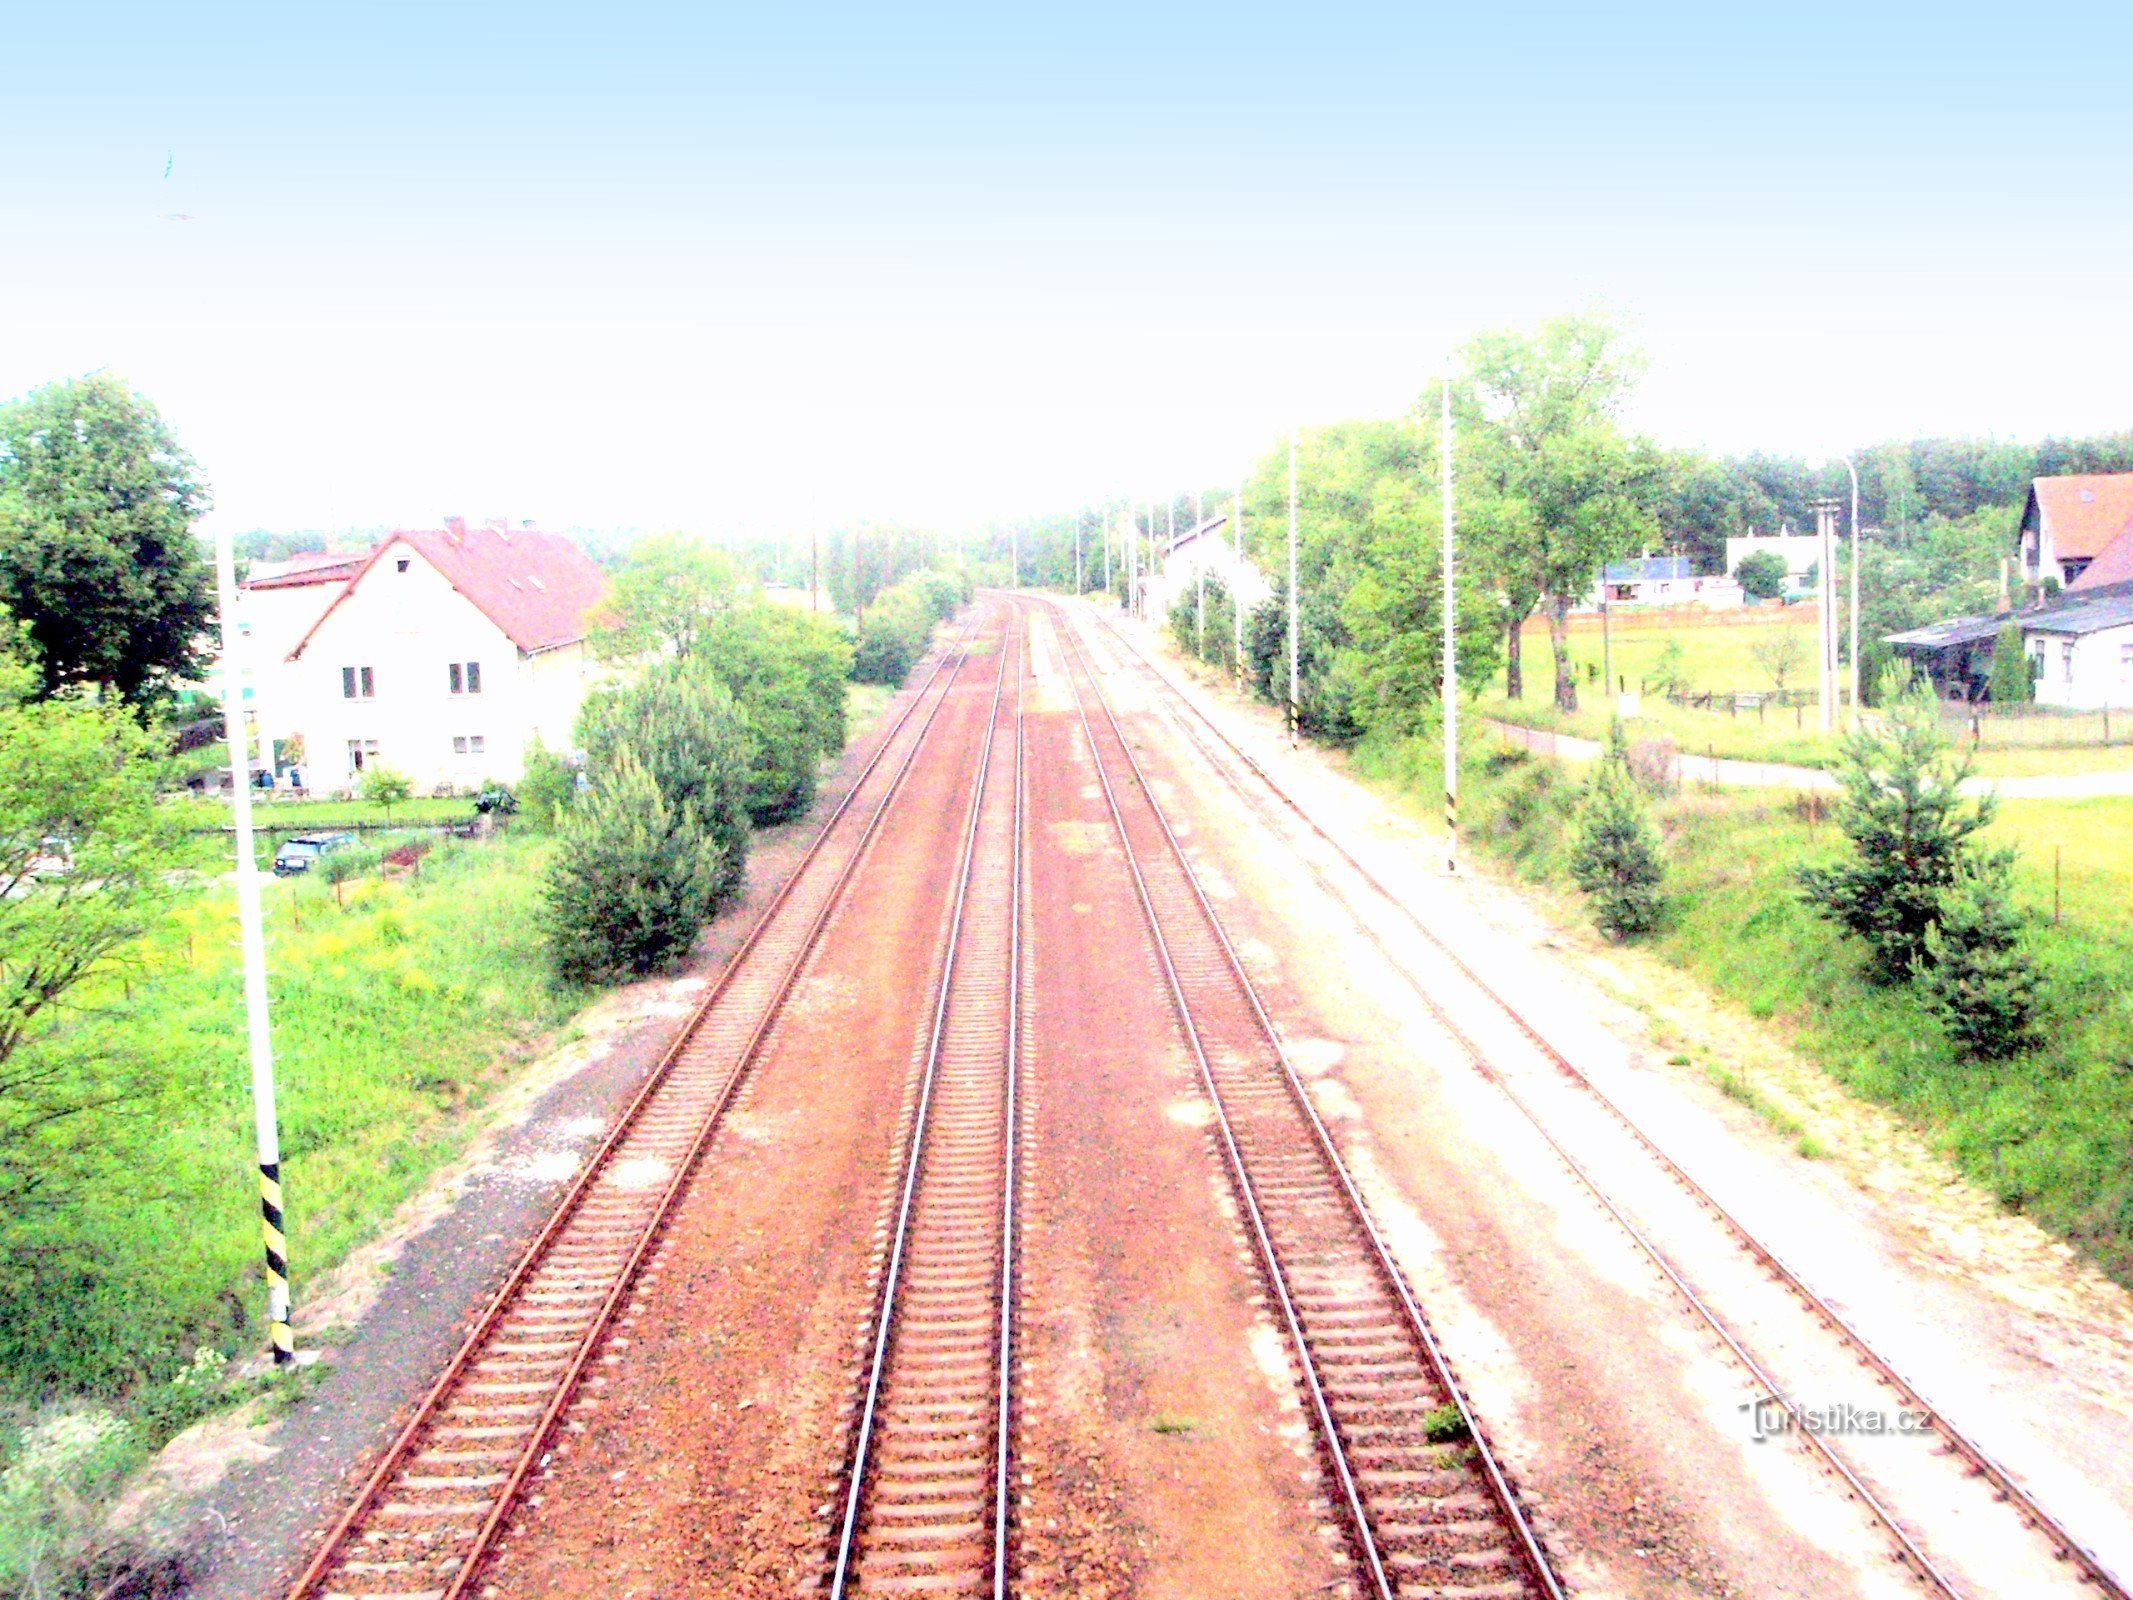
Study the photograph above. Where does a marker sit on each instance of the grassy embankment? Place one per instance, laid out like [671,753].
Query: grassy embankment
[1717,653]
[394,1015]
[2047,1134]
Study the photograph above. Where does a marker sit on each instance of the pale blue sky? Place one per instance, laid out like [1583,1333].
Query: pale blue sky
[766,267]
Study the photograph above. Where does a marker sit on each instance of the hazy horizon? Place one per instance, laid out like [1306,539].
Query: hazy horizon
[747,272]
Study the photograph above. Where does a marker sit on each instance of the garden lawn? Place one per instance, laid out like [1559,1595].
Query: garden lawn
[304,816]
[1717,647]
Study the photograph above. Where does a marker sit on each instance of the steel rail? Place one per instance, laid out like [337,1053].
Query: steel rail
[331,1548]
[1974,1455]
[1528,1543]
[914,1160]
[1003,1421]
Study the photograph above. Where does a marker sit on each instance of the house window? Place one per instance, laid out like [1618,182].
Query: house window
[465,677]
[400,565]
[2125,663]
[361,753]
[468,744]
[356,684]
[2066,662]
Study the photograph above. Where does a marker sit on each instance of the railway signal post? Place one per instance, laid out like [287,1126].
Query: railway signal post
[252,938]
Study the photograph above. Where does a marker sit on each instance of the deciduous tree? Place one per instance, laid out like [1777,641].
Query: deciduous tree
[97,553]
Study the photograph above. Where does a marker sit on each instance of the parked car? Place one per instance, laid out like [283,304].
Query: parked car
[297,854]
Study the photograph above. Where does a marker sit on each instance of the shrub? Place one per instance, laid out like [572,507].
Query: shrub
[633,879]
[787,671]
[1762,575]
[892,636]
[549,786]
[1615,858]
[1980,982]
[1909,825]
[385,788]
[2010,682]
[681,724]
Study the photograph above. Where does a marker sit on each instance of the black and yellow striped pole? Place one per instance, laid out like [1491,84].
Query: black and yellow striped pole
[252,937]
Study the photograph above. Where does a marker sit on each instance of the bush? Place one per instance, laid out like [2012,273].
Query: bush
[1615,858]
[892,636]
[549,786]
[385,788]
[787,671]
[633,880]
[682,725]
[1909,827]
[1762,575]
[2011,683]
[1980,982]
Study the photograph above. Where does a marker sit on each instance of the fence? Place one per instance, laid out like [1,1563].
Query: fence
[2030,727]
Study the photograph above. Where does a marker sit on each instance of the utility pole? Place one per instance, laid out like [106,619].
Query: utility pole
[1078,590]
[1858,703]
[1295,691]
[253,942]
[1451,653]
[1107,557]
[1014,555]
[814,569]
[1236,578]
[1825,599]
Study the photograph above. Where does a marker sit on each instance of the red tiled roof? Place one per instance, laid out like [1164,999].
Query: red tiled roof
[2084,514]
[2115,565]
[539,588]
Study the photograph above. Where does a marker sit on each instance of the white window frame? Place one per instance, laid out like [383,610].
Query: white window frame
[358,683]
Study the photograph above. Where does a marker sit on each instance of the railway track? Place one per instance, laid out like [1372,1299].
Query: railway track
[428,1516]
[1428,1509]
[926,1504]
[1235,765]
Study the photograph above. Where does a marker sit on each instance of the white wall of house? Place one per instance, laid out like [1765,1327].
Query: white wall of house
[1180,574]
[269,624]
[2083,672]
[1798,550]
[410,628]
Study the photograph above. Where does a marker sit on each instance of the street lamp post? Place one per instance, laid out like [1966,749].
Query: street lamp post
[1451,654]
[1857,703]
[1236,576]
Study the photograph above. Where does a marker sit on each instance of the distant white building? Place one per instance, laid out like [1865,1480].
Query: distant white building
[1210,546]
[1799,551]
[441,654]
[2081,648]
[1663,581]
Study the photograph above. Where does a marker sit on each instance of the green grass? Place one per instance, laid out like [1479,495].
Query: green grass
[2047,1133]
[302,816]
[393,1018]
[1775,735]
[1717,647]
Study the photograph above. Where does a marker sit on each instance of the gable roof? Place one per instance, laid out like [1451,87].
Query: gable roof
[537,587]
[2115,565]
[2083,513]
[1190,534]
[305,568]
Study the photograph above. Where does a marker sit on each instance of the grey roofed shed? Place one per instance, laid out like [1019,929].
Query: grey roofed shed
[2082,611]
[1955,631]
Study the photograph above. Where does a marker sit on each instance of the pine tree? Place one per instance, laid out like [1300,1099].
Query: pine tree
[1981,983]
[1909,824]
[684,727]
[1615,859]
[2010,683]
[633,878]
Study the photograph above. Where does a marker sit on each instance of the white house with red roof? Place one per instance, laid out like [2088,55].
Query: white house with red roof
[2070,521]
[441,653]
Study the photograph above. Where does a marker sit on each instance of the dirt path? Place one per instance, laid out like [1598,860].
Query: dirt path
[2024,1348]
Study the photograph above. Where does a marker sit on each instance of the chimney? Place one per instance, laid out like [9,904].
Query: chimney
[456,527]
